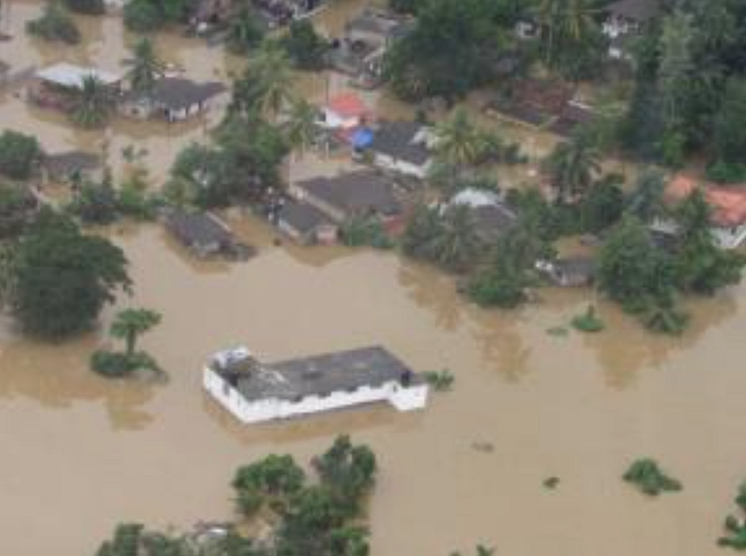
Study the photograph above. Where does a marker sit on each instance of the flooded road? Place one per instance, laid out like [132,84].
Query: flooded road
[79,454]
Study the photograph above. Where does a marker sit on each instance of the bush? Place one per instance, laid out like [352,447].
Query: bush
[588,321]
[136,203]
[20,155]
[725,172]
[54,24]
[305,47]
[114,364]
[439,380]
[95,203]
[142,16]
[365,231]
[648,477]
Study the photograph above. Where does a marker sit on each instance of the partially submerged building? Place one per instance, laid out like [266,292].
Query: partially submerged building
[55,86]
[569,271]
[402,147]
[205,235]
[727,205]
[305,224]
[254,392]
[172,99]
[368,37]
[492,217]
[345,112]
[625,20]
[360,193]
[72,167]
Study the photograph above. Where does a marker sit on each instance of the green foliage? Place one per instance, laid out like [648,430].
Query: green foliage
[730,124]
[245,30]
[452,49]
[145,67]
[735,526]
[143,16]
[649,478]
[131,539]
[264,88]
[61,278]
[273,478]
[551,483]
[572,168]
[93,103]
[54,24]
[304,46]
[440,381]
[726,172]
[113,364]
[128,326]
[646,202]
[589,321]
[602,206]
[20,155]
[17,206]
[95,203]
[359,231]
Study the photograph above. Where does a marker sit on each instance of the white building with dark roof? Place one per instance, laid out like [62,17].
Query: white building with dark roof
[172,98]
[403,147]
[254,392]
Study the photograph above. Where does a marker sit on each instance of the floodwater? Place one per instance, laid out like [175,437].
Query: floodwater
[79,453]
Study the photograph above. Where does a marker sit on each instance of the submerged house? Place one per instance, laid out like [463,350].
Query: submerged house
[355,194]
[345,112]
[254,392]
[305,224]
[171,98]
[72,167]
[727,205]
[205,235]
[55,86]
[368,37]
[625,20]
[402,147]
[569,272]
[492,218]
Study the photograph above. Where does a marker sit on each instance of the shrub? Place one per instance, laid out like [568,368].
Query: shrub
[439,380]
[142,16]
[588,321]
[20,155]
[365,231]
[54,24]
[90,7]
[726,172]
[114,364]
[648,477]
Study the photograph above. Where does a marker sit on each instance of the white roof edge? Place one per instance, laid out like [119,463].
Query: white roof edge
[71,75]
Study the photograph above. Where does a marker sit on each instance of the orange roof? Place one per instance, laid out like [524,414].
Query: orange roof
[348,105]
[728,204]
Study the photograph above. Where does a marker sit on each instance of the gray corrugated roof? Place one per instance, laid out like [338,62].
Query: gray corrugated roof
[70,162]
[197,229]
[321,374]
[396,139]
[302,216]
[493,220]
[355,191]
[177,93]
[636,10]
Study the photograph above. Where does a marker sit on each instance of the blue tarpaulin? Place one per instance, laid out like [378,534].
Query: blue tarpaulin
[362,138]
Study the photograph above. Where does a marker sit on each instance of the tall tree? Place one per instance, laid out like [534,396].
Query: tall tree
[458,142]
[93,103]
[145,67]
[130,324]
[301,125]
[572,167]
[267,83]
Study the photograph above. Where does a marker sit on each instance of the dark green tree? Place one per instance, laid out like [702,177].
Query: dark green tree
[20,155]
[61,278]
[305,47]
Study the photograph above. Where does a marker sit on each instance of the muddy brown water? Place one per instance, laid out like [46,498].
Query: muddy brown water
[79,453]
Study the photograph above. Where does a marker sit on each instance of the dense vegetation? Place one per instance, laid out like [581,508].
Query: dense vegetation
[646,475]
[20,155]
[56,280]
[54,24]
[128,326]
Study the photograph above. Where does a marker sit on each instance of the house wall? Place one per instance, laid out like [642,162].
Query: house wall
[388,162]
[402,398]
[725,238]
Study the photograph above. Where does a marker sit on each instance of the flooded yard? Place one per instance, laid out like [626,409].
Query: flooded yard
[79,453]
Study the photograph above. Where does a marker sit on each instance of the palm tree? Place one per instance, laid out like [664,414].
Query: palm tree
[301,124]
[145,66]
[573,167]
[270,69]
[458,141]
[129,324]
[93,102]
[560,20]
[458,244]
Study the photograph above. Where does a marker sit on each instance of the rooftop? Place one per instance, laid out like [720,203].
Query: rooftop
[177,93]
[302,216]
[362,190]
[65,74]
[348,105]
[728,203]
[198,228]
[69,162]
[636,10]
[379,22]
[318,375]
[400,140]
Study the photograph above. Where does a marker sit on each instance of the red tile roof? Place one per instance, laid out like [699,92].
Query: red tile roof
[348,105]
[728,203]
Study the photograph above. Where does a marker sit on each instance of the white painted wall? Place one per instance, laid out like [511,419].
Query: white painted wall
[402,398]
[407,168]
